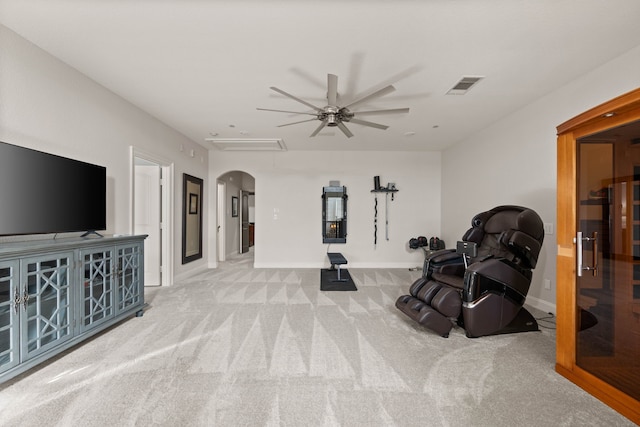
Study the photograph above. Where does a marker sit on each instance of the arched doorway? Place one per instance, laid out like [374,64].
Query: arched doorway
[235,215]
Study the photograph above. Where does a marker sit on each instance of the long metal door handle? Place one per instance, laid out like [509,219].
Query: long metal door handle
[595,254]
[578,242]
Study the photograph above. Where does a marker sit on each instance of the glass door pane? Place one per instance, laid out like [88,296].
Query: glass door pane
[9,309]
[608,294]
[98,285]
[46,322]
[128,277]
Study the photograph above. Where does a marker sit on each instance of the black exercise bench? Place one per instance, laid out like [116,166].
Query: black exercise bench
[336,258]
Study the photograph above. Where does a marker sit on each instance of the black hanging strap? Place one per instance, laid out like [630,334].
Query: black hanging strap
[375,222]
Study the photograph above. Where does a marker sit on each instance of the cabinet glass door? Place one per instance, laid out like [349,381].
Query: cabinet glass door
[608,257]
[47,321]
[97,291]
[9,309]
[129,280]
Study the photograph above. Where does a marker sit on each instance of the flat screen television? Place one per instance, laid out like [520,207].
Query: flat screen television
[44,193]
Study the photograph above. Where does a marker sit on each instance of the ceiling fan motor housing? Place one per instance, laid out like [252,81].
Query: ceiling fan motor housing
[334,115]
[331,115]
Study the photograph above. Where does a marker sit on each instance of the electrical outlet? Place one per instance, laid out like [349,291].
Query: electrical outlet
[548,228]
[547,284]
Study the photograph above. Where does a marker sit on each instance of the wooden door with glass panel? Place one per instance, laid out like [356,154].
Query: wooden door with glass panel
[608,257]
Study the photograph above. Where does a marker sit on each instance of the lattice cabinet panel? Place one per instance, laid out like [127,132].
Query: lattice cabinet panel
[97,293]
[9,306]
[129,289]
[48,302]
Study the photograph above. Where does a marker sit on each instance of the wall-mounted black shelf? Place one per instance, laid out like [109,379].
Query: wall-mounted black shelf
[384,190]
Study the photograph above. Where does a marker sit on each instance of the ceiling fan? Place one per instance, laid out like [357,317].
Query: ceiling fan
[335,115]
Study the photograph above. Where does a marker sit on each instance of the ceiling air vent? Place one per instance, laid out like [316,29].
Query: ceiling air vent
[463,86]
[247,144]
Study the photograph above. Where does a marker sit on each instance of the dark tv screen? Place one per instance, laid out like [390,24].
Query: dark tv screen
[44,193]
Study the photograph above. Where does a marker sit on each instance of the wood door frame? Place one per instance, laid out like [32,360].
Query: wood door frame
[614,113]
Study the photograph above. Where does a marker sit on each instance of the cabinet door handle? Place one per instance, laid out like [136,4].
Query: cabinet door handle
[25,298]
[17,300]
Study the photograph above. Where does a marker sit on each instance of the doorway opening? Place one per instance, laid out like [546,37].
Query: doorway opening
[220,230]
[151,202]
[236,222]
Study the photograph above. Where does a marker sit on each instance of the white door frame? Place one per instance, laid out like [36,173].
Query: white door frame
[168,195]
[221,247]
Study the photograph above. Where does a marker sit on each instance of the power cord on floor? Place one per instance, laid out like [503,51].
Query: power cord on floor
[551,319]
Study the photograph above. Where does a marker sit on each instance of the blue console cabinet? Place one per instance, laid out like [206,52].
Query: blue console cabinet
[57,293]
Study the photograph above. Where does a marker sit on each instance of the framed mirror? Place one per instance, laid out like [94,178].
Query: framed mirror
[191,218]
[234,206]
[334,214]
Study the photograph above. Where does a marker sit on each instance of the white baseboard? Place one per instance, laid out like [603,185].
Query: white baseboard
[543,305]
[326,265]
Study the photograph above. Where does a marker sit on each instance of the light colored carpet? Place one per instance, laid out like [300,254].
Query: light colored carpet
[238,346]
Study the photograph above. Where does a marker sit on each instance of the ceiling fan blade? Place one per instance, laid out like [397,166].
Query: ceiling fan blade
[295,123]
[332,89]
[381,92]
[319,128]
[285,111]
[295,98]
[344,130]
[366,123]
[389,111]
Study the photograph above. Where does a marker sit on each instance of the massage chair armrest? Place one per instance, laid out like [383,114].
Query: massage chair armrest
[498,276]
[446,259]
[442,255]
[456,269]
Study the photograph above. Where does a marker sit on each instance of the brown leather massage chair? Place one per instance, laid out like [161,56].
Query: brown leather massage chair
[483,283]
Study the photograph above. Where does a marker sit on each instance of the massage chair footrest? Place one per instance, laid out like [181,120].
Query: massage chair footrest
[424,314]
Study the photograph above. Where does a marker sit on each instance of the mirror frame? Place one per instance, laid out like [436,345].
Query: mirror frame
[334,190]
[191,218]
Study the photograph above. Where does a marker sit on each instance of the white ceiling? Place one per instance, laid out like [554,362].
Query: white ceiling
[203,66]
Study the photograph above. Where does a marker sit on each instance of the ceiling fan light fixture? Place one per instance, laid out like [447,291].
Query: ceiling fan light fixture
[331,120]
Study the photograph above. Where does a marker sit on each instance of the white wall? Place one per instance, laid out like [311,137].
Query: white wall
[49,106]
[288,208]
[514,161]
